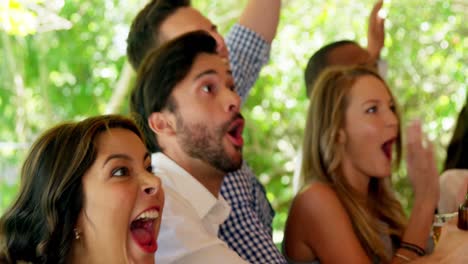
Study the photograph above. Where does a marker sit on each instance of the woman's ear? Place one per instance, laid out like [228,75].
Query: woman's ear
[160,123]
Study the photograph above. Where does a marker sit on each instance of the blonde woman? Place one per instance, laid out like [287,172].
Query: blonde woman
[348,212]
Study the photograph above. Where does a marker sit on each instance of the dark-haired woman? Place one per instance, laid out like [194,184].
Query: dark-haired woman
[87,195]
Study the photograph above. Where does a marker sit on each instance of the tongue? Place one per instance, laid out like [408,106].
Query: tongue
[143,234]
[387,148]
[236,138]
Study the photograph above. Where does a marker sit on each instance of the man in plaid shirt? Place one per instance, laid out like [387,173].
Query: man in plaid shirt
[248,228]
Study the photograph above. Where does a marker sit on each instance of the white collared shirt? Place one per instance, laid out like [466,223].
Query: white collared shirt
[190,220]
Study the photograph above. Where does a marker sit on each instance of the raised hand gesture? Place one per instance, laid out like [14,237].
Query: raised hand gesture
[375,31]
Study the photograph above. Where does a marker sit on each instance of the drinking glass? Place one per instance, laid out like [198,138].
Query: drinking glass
[439,221]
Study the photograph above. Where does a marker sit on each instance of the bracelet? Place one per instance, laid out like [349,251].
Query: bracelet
[403,257]
[412,247]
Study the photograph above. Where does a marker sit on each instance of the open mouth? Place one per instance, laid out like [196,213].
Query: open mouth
[143,230]
[387,148]
[235,132]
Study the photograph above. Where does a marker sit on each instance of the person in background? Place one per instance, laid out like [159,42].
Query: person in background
[87,195]
[453,189]
[457,150]
[248,229]
[348,52]
[184,98]
[352,133]
[345,53]
[454,179]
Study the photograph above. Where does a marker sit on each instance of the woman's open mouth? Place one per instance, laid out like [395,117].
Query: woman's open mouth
[143,230]
[387,148]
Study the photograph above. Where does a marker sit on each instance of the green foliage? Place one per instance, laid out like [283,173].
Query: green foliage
[68,68]
[63,67]
[426,72]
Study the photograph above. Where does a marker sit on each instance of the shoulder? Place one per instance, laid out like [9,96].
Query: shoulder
[452,180]
[448,175]
[453,184]
[322,223]
[318,205]
[316,197]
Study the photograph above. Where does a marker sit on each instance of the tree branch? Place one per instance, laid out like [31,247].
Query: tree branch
[121,89]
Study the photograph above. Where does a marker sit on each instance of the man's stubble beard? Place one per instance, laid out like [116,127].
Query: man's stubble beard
[197,142]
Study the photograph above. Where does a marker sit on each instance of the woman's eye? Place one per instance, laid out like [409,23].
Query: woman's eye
[393,108]
[207,88]
[149,169]
[372,109]
[119,172]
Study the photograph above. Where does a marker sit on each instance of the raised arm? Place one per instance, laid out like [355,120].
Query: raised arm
[376,31]
[262,16]
[249,42]
[424,180]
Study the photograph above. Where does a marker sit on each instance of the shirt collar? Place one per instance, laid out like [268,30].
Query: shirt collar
[187,186]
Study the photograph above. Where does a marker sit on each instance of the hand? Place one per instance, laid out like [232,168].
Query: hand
[375,32]
[421,166]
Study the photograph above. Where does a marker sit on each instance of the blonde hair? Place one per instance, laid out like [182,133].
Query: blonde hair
[322,157]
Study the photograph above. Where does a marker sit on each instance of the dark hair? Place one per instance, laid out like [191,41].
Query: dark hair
[39,226]
[319,62]
[160,72]
[457,150]
[145,29]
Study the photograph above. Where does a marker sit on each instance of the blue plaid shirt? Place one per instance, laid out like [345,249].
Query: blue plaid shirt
[248,229]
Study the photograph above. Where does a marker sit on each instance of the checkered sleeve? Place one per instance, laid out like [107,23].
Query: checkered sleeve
[248,53]
[248,231]
[261,205]
[248,228]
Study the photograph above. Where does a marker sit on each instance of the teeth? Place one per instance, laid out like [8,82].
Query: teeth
[151,214]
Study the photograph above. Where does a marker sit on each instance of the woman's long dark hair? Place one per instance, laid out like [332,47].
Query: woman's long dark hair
[457,150]
[39,226]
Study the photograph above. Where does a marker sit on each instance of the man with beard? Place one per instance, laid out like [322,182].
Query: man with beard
[186,103]
[248,230]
